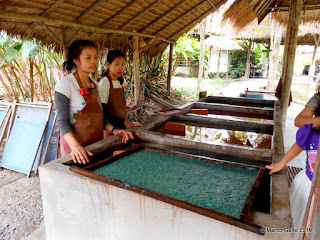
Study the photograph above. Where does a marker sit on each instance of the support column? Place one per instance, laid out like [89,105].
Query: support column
[247,72]
[64,42]
[275,41]
[313,62]
[289,56]
[170,67]
[201,62]
[136,70]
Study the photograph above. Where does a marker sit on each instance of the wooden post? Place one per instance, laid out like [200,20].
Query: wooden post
[312,214]
[289,56]
[209,62]
[201,62]
[64,42]
[136,70]
[313,63]
[170,68]
[275,41]
[227,74]
[247,72]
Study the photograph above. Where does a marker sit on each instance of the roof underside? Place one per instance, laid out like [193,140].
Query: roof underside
[109,23]
[243,12]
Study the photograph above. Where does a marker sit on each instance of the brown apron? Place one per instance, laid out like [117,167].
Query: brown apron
[117,101]
[88,126]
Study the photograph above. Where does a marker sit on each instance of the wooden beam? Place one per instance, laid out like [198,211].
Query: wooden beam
[170,67]
[291,41]
[202,53]
[182,16]
[74,36]
[64,42]
[117,13]
[287,7]
[35,18]
[52,7]
[89,10]
[197,19]
[247,72]
[163,15]
[136,70]
[55,37]
[140,14]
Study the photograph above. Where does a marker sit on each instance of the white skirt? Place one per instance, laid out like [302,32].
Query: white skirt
[299,195]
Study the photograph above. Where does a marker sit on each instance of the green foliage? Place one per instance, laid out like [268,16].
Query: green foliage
[238,59]
[28,69]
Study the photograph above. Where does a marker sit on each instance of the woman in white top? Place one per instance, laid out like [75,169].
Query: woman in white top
[111,91]
[78,106]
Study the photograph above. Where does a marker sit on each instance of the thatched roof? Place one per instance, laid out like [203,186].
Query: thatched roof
[222,43]
[243,12]
[108,23]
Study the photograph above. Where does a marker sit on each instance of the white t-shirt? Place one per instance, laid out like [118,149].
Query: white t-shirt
[69,87]
[104,87]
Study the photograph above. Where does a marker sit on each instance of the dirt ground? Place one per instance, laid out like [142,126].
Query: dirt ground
[20,205]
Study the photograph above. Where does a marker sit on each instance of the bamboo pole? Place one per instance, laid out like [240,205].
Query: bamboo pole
[201,62]
[163,15]
[247,72]
[89,10]
[31,78]
[291,41]
[136,70]
[275,41]
[140,14]
[170,68]
[182,16]
[204,15]
[313,62]
[36,18]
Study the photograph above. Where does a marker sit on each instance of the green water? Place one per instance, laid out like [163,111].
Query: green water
[218,187]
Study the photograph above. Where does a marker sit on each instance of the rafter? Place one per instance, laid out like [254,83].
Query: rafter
[163,15]
[118,13]
[286,7]
[198,19]
[52,7]
[53,21]
[182,16]
[55,37]
[140,14]
[89,10]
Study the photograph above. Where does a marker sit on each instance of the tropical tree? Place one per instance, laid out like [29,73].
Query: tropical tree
[28,70]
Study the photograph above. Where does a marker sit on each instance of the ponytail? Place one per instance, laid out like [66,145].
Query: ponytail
[74,52]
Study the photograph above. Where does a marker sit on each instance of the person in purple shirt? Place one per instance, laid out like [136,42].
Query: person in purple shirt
[307,139]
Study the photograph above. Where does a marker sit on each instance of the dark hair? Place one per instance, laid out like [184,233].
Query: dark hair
[112,55]
[74,52]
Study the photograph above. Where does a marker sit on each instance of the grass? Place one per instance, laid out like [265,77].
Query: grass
[187,87]
[302,93]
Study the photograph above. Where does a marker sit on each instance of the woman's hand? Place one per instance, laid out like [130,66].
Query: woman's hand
[129,124]
[80,154]
[275,167]
[125,134]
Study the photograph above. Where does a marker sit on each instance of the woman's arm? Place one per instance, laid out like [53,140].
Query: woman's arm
[306,116]
[291,154]
[119,132]
[79,154]
[129,124]
[62,103]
